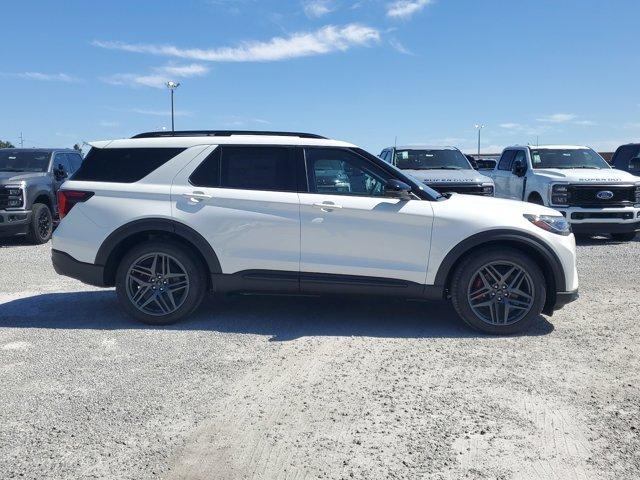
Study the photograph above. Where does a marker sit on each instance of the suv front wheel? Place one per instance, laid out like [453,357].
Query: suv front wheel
[160,282]
[499,291]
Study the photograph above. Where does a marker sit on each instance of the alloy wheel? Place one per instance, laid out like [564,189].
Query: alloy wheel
[44,223]
[500,293]
[157,284]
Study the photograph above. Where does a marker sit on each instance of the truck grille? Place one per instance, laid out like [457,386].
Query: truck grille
[593,196]
[466,188]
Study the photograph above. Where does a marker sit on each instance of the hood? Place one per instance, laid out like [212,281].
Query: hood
[14,177]
[495,204]
[449,176]
[578,175]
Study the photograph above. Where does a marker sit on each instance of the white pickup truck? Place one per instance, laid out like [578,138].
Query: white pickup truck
[574,180]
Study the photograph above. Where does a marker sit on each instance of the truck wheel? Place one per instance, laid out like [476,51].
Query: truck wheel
[623,237]
[41,224]
[500,291]
[160,282]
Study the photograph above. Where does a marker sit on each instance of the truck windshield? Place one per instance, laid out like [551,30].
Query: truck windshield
[24,161]
[421,159]
[567,158]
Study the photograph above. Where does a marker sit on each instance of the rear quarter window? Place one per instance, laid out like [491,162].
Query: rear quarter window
[123,165]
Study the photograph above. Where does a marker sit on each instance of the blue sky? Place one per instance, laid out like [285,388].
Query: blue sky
[364,71]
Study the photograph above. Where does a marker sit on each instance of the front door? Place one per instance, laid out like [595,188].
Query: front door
[350,228]
[515,183]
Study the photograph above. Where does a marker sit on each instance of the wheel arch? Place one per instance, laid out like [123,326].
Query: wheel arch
[535,195]
[44,197]
[526,243]
[122,239]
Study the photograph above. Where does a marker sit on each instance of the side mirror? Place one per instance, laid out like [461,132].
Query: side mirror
[397,189]
[518,168]
[59,172]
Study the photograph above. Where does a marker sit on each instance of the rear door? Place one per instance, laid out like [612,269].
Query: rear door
[349,227]
[244,201]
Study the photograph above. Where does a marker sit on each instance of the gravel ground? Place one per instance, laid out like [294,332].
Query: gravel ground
[295,388]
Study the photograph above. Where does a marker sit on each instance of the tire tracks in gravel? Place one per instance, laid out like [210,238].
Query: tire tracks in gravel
[255,430]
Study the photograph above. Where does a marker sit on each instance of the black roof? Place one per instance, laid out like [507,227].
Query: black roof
[223,133]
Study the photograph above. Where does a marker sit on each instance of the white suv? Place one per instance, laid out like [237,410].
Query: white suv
[166,217]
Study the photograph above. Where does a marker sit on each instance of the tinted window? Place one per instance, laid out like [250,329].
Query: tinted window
[340,172]
[628,158]
[75,161]
[24,160]
[208,172]
[506,160]
[258,168]
[520,157]
[567,158]
[61,159]
[123,165]
[422,159]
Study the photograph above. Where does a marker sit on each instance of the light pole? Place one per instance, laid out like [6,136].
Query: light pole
[172,86]
[479,127]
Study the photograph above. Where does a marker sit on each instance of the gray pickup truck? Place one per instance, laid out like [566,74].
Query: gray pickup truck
[29,181]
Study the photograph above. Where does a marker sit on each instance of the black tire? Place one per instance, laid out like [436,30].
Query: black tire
[623,237]
[41,225]
[184,259]
[468,271]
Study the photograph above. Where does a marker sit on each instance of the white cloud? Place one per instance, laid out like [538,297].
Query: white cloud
[511,126]
[566,118]
[155,113]
[557,118]
[317,8]
[159,76]
[43,77]
[405,8]
[328,39]
[400,47]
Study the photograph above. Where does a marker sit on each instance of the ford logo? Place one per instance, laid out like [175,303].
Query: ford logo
[605,195]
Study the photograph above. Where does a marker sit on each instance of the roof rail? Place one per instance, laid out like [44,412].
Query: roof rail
[223,133]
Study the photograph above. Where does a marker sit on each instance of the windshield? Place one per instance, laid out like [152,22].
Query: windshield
[567,158]
[420,159]
[24,161]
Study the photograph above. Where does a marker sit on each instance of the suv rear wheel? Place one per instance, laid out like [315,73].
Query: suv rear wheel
[41,225]
[499,291]
[160,283]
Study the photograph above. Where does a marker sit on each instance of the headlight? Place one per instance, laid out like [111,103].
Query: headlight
[487,190]
[15,199]
[638,193]
[550,223]
[560,194]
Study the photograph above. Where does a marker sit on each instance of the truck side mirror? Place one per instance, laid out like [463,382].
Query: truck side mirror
[59,172]
[518,168]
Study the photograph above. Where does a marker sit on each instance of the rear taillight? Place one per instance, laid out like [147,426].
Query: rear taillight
[68,198]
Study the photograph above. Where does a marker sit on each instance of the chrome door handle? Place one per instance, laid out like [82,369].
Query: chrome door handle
[327,207]
[196,196]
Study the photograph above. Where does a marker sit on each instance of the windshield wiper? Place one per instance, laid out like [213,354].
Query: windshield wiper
[10,170]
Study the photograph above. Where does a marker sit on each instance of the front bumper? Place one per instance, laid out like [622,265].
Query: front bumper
[65,264]
[14,222]
[602,220]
